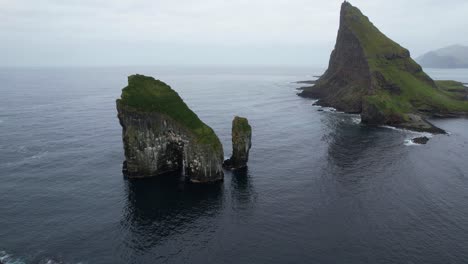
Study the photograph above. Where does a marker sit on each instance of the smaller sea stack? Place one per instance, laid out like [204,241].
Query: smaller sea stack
[241,144]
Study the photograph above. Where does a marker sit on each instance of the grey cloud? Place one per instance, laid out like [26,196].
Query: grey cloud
[103,32]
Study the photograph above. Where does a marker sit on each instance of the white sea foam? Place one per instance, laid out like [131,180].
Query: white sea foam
[329,109]
[6,258]
[39,155]
[410,142]
[394,128]
[413,134]
[421,134]
[51,261]
[356,120]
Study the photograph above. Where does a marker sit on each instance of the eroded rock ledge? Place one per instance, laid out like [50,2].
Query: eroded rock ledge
[162,135]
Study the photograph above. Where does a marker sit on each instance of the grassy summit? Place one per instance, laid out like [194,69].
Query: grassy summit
[374,42]
[241,124]
[371,74]
[145,94]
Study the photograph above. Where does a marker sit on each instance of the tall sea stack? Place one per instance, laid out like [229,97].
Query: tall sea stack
[372,75]
[241,143]
[162,135]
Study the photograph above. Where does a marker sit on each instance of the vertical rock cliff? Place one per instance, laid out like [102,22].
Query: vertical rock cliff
[372,75]
[162,135]
[241,143]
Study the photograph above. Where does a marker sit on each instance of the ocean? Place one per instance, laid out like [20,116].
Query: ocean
[320,187]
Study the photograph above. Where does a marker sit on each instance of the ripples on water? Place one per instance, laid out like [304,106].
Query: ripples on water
[320,187]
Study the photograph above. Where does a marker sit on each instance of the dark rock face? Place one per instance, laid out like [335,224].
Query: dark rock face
[421,140]
[241,143]
[347,75]
[155,143]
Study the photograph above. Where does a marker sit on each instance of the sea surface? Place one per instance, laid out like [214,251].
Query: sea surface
[320,187]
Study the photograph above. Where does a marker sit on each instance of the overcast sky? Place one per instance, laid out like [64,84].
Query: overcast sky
[209,32]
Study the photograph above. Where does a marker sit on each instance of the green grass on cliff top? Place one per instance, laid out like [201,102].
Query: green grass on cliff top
[416,91]
[447,97]
[146,94]
[241,124]
[374,42]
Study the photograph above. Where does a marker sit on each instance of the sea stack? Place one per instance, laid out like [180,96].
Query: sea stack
[372,75]
[162,135]
[241,143]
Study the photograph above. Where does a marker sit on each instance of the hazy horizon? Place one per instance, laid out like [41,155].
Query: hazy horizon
[209,32]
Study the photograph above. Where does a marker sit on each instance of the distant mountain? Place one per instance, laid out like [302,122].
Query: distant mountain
[455,56]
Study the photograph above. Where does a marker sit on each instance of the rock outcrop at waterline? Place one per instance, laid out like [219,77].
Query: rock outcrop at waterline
[421,140]
[372,75]
[241,143]
[162,135]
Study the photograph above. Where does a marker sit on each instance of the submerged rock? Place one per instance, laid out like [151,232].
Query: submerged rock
[372,75]
[162,135]
[241,143]
[421,140]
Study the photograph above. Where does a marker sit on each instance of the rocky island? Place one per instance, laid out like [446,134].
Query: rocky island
[372,75]
[162,135]
[241,144]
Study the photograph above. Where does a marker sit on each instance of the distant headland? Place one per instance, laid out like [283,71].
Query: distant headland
[452,57]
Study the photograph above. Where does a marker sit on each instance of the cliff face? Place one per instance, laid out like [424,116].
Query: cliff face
[372,75]
[161,134]
[348,74]
[241,143]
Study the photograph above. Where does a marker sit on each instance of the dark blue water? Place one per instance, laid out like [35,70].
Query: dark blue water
[320,188]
